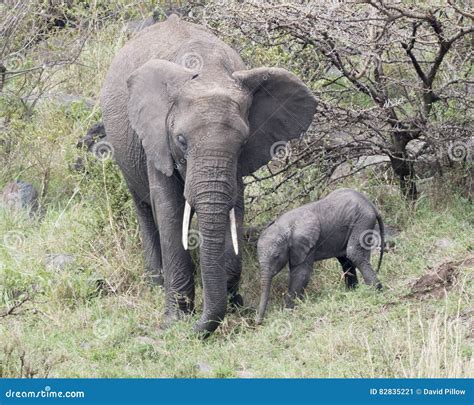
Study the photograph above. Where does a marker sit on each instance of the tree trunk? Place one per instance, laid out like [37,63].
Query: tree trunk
[403,167]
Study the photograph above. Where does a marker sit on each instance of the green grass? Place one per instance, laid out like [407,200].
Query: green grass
[98,317]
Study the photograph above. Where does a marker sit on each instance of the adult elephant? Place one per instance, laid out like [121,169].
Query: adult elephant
[187,121]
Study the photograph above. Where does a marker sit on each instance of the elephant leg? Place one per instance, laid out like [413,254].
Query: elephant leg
[349,270]
[166,195]
[233,262]
[299,279]
[360,257]
[150,240]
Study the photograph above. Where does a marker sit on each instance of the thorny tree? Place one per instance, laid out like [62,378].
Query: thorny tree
[40,38]
[31,50]
[392,77]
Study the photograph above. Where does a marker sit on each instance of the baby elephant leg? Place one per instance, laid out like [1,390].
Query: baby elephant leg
[360,256]
[299,279]
[349,270]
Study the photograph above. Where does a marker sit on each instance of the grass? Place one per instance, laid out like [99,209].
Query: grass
[98,316]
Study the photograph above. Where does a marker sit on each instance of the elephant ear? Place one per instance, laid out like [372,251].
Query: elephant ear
[282,109]
[151,89]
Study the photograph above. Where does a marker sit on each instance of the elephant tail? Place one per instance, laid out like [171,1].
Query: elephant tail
[382,238]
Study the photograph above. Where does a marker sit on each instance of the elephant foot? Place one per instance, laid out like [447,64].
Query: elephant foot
[289,303]
[204,329]
[175,315]
[236,301]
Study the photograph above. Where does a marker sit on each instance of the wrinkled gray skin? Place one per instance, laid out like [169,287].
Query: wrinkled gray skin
[190,135]
[338,226]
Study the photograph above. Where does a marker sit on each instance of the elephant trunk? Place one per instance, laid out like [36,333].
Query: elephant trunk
[213,200]
[212,228]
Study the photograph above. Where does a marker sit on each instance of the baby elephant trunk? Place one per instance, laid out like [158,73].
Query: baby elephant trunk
[265,285]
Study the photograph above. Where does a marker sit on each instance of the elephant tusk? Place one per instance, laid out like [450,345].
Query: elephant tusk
[186,221]
[233,231]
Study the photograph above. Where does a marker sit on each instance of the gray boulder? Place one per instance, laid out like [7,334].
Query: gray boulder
[95,133]
[367,161]
[58,261]
[137,25]
[19,195]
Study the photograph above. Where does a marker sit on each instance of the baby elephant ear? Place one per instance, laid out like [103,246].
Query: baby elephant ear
[151,88]
[282,109]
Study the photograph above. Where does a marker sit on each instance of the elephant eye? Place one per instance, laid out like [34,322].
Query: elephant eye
[182,142]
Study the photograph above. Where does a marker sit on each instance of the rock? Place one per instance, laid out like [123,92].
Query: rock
[18,195]
[69,99]
[204,367]
[85,345]
[58,261]
[245,374]
[444,243]
[64,99]
[366,161]
[345,169]
[427,185]
[137,25]
[94,134]
[78,165]
[415,146]
[427,166]
[146,340]
[159,14]
[342,170]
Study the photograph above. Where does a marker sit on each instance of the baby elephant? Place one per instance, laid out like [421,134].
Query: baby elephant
[340,225]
